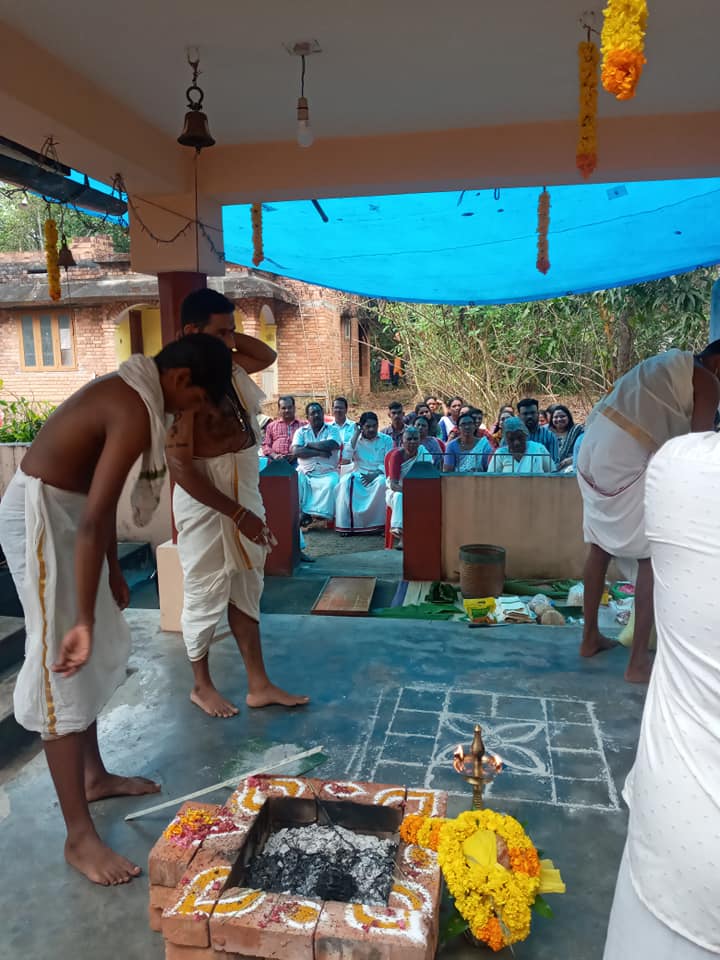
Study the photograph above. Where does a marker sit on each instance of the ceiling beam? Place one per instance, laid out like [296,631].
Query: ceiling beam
[630,148]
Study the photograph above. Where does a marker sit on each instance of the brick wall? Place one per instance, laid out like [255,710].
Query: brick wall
[94,352]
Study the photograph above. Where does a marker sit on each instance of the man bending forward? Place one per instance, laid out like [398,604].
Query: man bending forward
[57,527]
[219,513]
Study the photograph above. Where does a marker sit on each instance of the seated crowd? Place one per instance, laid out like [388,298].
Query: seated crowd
[352,473]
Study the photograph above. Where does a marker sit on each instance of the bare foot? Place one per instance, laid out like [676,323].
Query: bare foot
[274,695]
[595,642]
[639,672]
[111,785]
[91,857]
[212,702]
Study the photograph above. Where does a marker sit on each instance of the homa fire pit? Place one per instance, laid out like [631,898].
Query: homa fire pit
[202,902]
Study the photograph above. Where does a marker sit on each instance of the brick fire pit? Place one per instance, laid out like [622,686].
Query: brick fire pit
[199,902]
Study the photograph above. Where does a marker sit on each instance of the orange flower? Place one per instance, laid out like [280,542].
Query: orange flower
[543,225]
[492,934]
[257,234]
[621,72]
[524,861]
[410,826]
[586,151]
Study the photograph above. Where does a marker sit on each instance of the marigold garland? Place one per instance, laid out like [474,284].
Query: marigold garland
[586,153]
[51,259]
[623,40]
[543,225]
[494,900]
[257,234]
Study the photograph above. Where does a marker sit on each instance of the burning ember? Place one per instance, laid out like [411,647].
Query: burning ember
[462,762]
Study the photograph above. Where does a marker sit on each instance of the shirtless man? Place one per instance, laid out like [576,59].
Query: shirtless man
[213,455]
[63,500]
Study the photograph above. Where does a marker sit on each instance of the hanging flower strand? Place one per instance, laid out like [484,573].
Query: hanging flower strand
[543,225]
[257,234]
[586,153]
[623,40]
[51,259]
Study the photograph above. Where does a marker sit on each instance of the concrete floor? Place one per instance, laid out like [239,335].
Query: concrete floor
[390,701]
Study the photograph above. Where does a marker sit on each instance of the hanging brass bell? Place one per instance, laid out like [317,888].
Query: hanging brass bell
[196,132]
[65,257]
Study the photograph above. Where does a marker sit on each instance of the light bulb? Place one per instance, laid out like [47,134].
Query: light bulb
[304,134]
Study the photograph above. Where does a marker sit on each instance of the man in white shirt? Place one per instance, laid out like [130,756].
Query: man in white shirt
[345,426]
[317,448]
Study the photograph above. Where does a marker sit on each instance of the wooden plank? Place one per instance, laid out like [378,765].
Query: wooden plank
[345,597]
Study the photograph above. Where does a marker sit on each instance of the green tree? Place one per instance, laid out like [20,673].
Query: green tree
[573,346]
[22,217]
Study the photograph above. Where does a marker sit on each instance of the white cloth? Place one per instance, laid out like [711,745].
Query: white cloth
[654,400]
[394,498]
[634,933]
[318,476]
[673,790]
[536,460]
[611,469]
[141,373]
[219,564]
[359,507]
[38,526]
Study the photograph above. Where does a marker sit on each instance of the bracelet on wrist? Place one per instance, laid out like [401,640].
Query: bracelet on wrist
[237,517]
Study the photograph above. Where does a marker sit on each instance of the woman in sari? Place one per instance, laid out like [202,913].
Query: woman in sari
[360,503]
[400,462]
[449,423]
[431,444]
[465,455]
[567,431]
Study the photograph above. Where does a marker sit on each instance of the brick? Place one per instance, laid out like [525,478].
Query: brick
[162,897]
[186,922]
[417,886]
[258,924]
[376,794]
[427,803]
[372,933]
[155,917]
[168,860]
[250,794]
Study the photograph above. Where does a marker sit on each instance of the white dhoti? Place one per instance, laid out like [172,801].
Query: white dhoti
[220,566]
[611,474]
[38,527]
[394,500]
[360,508]
[635,933]
[317,493]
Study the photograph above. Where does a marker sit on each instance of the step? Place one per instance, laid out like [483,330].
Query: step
[13,737]
[12,641]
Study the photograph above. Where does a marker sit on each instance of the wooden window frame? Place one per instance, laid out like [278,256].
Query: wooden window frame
[57,367]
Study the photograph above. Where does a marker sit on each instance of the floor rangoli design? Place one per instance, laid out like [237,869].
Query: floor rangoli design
[552,746]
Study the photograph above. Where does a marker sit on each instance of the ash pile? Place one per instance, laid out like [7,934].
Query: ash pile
[326,863]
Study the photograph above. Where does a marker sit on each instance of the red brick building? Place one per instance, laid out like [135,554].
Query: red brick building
[48,350]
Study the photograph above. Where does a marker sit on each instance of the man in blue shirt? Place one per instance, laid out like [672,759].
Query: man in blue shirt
[529,413]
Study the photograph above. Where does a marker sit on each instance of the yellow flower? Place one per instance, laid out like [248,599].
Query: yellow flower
[623,39]
[51,259]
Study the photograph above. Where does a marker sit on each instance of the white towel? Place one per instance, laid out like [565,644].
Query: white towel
[141,373]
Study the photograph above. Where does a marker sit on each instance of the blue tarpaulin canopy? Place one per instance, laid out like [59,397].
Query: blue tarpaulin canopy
[481,246]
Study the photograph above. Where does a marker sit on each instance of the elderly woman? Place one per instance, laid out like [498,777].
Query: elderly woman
[400,462]
[567,432]
[360,503]
[430,443]
[518,454]
[465,455]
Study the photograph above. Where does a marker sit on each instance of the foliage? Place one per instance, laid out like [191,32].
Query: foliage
[574,346]
[21,419]
[22,217]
